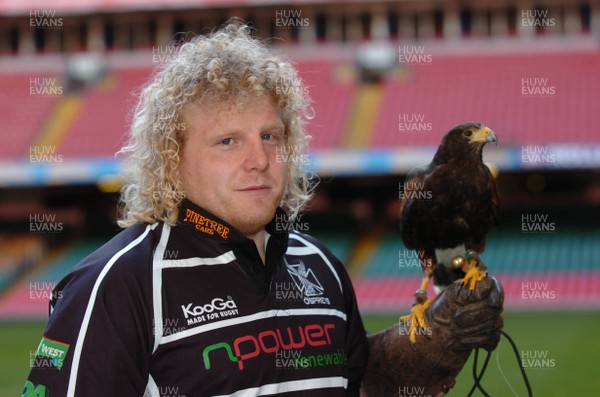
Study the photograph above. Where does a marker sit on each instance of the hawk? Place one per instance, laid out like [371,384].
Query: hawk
[447,208]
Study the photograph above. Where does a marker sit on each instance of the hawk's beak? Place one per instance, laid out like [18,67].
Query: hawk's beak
[484,135]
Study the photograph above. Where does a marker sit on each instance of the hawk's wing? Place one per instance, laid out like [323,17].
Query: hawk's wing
[412,206]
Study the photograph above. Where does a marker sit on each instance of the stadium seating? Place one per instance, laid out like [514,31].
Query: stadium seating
[331,99]
[21,125]
[443,94]
[564,260]
[19,253]
[560,266]
[29,297]
[98,129]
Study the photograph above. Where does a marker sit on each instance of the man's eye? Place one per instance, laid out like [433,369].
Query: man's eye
[267,136]
[226,141]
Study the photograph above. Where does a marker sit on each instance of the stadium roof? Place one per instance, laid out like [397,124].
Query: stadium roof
[26,7]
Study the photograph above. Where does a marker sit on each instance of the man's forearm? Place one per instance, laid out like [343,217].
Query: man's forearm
[395,369]
[458,320]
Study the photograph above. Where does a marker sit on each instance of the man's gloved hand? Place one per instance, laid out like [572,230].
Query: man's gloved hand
[457,322]
[472,321]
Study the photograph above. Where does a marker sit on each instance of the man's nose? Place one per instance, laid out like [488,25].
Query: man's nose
[257,157]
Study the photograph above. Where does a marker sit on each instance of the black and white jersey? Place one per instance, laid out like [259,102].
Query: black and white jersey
[191,310]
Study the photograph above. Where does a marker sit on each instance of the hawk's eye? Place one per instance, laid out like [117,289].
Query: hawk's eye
[468,133]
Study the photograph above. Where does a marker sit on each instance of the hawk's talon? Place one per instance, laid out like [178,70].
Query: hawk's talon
[416,318]
[475,271]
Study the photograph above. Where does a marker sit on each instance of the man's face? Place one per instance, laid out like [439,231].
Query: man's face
[228,163]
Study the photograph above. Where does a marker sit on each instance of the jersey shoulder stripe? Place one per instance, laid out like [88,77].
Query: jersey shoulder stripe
[223,259]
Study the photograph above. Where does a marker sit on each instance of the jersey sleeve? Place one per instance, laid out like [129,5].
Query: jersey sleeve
[99,336]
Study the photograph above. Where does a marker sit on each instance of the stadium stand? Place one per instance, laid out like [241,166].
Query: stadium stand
[22,124]
[28,299]
[357,124]
[421,92]
[331,98]
[19,254]
[93,132]
[562,264]
[452,89]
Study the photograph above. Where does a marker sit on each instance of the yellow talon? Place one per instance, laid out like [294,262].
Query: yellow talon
[417,319]
[473,275]
[417,312]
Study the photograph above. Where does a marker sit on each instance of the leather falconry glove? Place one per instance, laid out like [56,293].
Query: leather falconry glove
[457,322]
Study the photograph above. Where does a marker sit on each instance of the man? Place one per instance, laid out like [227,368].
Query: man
[206,292]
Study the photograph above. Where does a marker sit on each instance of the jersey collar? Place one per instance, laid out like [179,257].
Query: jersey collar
[211,226]
[208,226]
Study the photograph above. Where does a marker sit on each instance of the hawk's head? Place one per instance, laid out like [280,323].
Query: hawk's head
[466,139]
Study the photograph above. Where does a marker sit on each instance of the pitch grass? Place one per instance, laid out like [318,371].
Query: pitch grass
[569,340]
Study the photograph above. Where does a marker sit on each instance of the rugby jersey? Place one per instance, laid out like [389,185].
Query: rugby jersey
[191,310]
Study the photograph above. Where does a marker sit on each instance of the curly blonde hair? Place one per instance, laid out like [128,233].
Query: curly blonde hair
[227,65]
